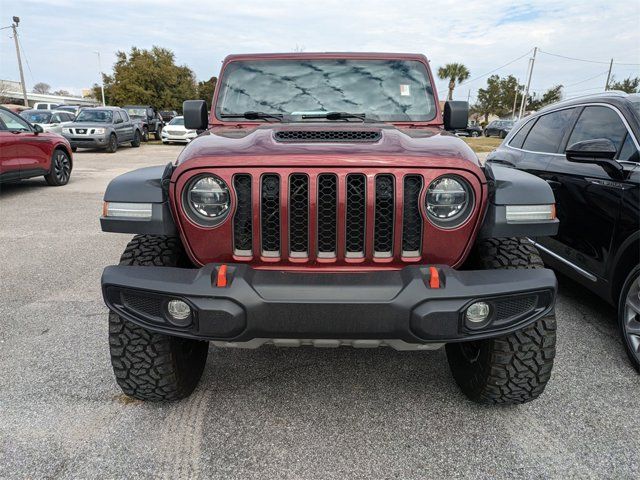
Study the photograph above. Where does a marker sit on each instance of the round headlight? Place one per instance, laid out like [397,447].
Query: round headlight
[208,200]
[449,201]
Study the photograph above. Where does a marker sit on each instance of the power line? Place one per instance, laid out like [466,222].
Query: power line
[586,79]
[494,70]
[26,59]
[584,60]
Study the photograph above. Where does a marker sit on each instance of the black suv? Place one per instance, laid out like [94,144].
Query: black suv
[151,120]
[498,128]
[587,149]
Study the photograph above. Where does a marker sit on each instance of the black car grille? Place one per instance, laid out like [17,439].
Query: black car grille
[327,136]
[327,216]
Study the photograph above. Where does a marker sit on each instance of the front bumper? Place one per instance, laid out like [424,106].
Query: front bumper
[258,306]
[87,142]
[172,137]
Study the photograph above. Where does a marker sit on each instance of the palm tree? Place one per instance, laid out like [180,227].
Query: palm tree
[456,73]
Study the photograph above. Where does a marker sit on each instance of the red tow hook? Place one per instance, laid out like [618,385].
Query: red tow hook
[434,278]
[222,276]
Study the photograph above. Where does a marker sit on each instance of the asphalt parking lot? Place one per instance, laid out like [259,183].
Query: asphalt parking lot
[270,413]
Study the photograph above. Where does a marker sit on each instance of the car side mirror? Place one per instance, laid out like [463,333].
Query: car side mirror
[196,115]
[38,129]
[599,151]
[456,115]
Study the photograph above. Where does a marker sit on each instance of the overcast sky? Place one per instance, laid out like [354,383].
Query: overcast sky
[60,36]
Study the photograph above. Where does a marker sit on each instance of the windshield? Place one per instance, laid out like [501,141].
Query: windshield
[36,117]
[177,121]
[137,112]
[100,116]
[386,90]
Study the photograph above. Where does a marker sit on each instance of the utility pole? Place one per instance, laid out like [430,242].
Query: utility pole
[532,61]
[101,78]
[606,85]
[515,100]
[469,96]
[14,25]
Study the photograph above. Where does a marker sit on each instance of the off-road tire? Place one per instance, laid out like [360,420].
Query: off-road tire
[147,365]
[516,367]
[158,133]
[112,146]
[136,139]
[634,355]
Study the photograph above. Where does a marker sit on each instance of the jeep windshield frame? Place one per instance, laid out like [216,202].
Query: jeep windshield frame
[390,88]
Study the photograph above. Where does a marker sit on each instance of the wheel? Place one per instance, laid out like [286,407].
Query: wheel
[145,134]
[629,316]
[60,168]
[74,149]
[475,133]
[147,365]
[486,134]
[136,139]
[112,146]
[516,367]
[158,133]
[165,142]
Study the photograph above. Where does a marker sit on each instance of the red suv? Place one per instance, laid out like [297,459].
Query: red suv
[27,151]
[326,204]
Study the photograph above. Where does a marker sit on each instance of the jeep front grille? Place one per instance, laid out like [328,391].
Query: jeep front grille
[328,217]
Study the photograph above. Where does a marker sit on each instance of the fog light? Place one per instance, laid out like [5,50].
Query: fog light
[478,312]
[179,311]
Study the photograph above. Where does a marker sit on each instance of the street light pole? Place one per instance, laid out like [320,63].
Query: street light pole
[14,25]
[104,104]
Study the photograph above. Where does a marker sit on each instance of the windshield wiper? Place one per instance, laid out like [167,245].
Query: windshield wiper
[336,116]
[253,115]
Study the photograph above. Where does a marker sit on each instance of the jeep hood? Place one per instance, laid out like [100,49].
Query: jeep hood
[373,141]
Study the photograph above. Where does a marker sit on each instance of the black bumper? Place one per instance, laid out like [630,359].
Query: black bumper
[263,304]
[89,142]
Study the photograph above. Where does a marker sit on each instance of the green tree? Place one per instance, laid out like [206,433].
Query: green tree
[206,89]
[498,97]
[629,85]
[456,73]
[148,77]
[554,94]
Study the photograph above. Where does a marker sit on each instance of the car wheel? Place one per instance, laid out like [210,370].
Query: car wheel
[112,146]
[136,139]
[629,316]
[74,149]
[145,134]
[486,134]
[60,169]
[158,133]
[475,134]
[513,368]
[148,365]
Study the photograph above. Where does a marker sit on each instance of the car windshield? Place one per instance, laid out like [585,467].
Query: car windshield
[36,117]
[177,121]
[137,112]
[99,116]
[386,90]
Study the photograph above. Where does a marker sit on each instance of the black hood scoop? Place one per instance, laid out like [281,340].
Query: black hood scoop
[319,136]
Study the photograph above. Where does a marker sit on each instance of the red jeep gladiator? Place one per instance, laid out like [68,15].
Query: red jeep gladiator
[325,203]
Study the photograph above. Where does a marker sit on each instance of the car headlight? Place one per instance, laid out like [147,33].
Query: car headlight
[66,130]
[449,201]
[207,200]
[99,131]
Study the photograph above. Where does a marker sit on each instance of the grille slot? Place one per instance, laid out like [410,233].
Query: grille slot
[270,215]
[384,216]
[513,307]
[411,216]
[327,215]
[355,215]
[299,215]
[149,306]
[243,220]
[304,136]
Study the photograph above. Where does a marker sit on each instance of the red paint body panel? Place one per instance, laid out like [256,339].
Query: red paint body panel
[28,151]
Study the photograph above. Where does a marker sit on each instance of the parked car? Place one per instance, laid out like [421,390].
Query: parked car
[49,120]
[73,109]
[175,131]
[587,150]
[151,120]
[290,224]
[498,128]
[27,151]
[470,131]
[105,127]
[45,106]
[167,115]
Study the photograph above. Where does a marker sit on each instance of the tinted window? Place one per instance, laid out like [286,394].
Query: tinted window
[518,138]
[628,149]
[13,122]
[599,122]
[117,118]
[547,133]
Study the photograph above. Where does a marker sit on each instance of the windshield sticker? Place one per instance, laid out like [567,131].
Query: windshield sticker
[405,91]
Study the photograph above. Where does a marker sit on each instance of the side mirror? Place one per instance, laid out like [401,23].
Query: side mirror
[38,129]
[599,151]
[196,116]
[456,115]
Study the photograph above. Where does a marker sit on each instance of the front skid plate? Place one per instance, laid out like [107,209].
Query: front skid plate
[330,343]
